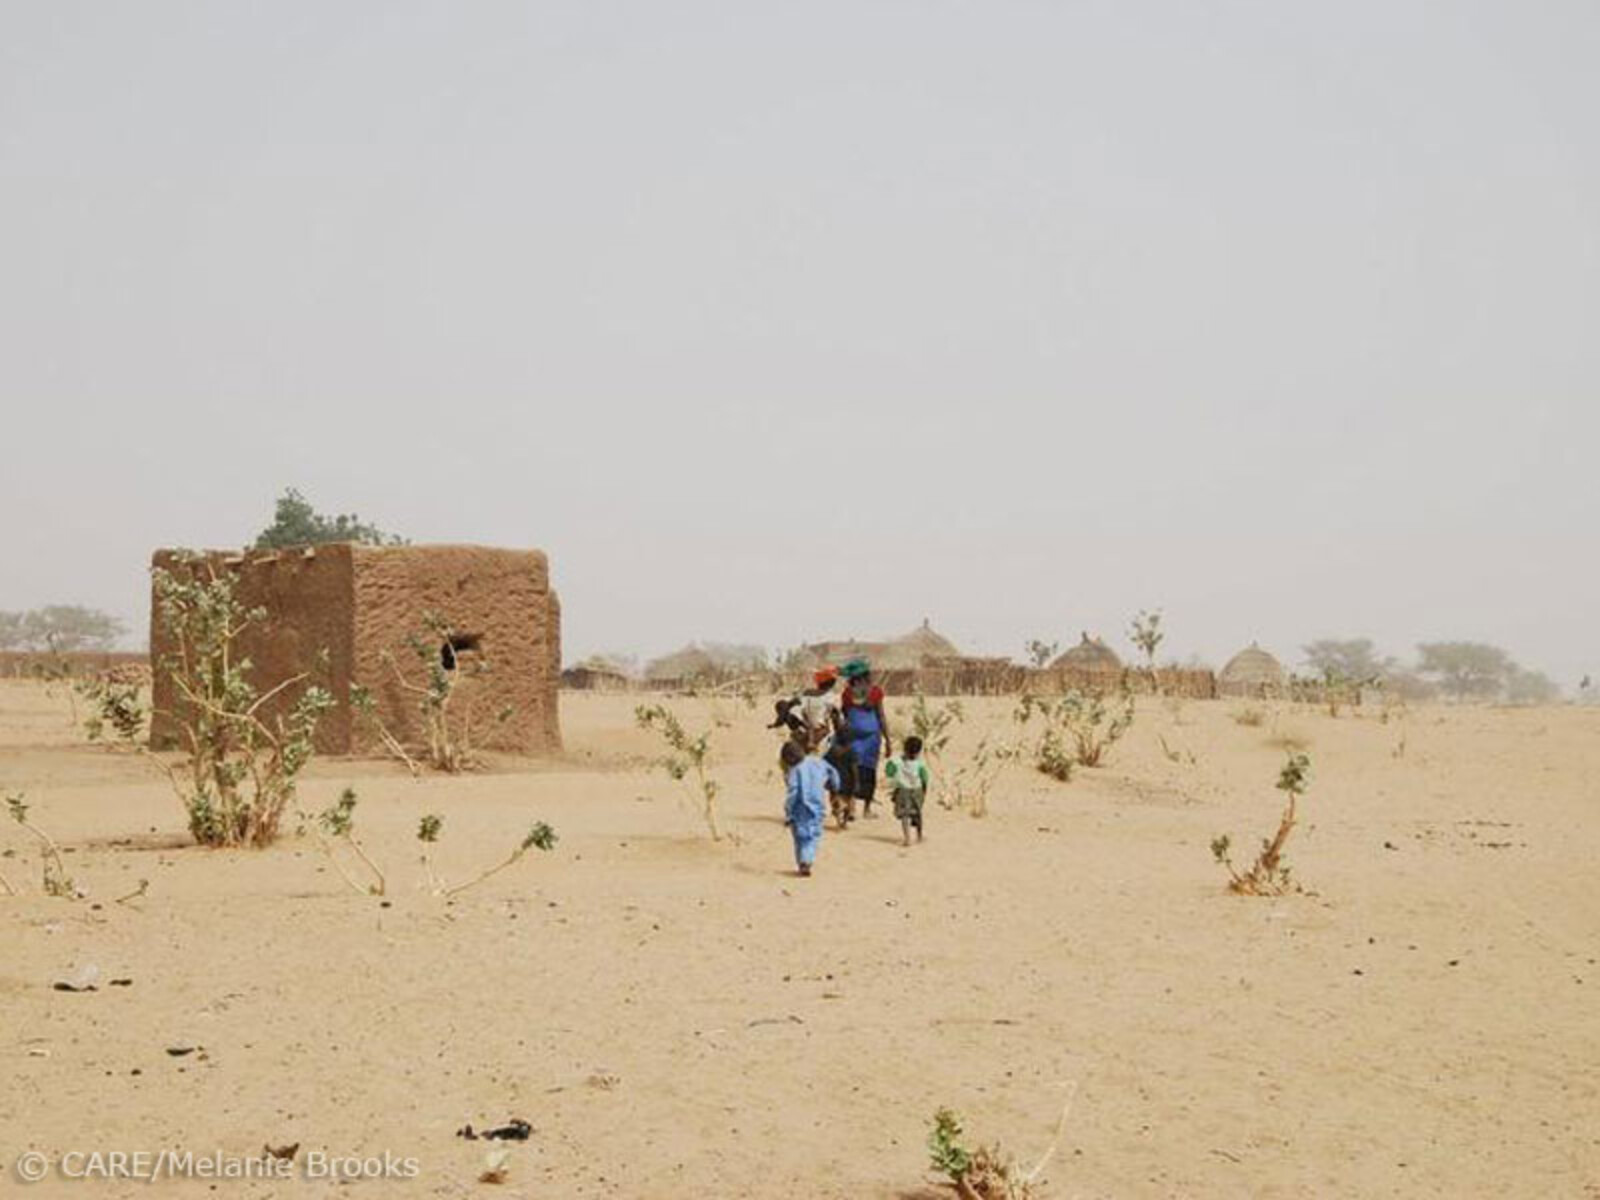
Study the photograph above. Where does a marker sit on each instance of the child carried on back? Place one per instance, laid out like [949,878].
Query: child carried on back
[813,714]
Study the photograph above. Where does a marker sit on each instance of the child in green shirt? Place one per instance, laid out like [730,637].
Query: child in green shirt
[908,775]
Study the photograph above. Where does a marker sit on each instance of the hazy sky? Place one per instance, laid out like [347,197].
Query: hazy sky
[779,321]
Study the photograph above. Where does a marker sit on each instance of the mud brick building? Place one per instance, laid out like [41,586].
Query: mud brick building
[363,604]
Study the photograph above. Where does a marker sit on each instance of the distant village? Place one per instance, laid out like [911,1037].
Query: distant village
[925,660]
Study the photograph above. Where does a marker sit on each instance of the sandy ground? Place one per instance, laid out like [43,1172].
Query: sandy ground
[677,1018]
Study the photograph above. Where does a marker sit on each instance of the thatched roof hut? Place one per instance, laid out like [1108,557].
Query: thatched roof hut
[1090,654]
[710,662]
[596,674]
[1251,672]
[816,654]
[925,642]
[681,666]
[905,653]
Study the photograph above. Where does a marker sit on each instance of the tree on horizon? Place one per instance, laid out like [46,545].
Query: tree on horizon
[60,628]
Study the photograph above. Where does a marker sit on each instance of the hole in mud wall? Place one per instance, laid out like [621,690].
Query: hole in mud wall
[456,645]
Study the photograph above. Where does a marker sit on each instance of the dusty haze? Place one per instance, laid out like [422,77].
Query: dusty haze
[1280,319]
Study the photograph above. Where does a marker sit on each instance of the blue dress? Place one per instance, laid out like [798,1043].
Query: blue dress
[808,785]
[865,732]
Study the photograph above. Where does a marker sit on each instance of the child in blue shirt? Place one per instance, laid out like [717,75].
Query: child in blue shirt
[809,780]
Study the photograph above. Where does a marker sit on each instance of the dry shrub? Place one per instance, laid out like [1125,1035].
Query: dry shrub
[1250,717]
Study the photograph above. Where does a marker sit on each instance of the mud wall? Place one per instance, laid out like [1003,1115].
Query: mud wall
[307,595]
[552,674]
[505,619]
[361,605]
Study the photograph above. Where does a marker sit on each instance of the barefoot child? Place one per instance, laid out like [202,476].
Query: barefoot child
[809,780]
[908,775]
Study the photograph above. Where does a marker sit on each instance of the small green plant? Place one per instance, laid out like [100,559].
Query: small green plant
[947,1155]
[984,1173]
[689,754]
[54,672]
[366,708]
[451,664]
[1269,875]
[1394,711]
[968,786]
[1049,757]
[936,726]
[336,823]
[55,878]
[1096,727]
[1176,754]
[138,893]
[428,830]
[539,837]
[1338,688]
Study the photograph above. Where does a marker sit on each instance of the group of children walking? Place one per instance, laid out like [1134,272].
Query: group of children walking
[830,759]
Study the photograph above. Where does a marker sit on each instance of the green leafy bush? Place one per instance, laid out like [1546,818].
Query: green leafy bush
[1078,729]
[241,759]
